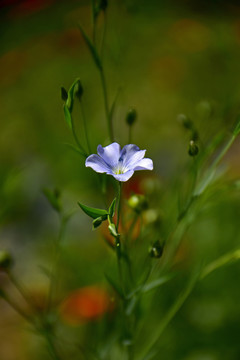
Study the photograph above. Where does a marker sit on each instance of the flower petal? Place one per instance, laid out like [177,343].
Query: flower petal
[144,164]
[124,177]
[110,154]
[97,164]
[130,155]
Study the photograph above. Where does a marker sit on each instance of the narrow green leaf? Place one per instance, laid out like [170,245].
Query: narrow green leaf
[67,116]
[221,261]
[93,212]
[236,130]
[156,283]
[112,207]
[149,352]
[91,48]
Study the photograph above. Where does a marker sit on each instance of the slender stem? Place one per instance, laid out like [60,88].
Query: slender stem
[76,138]
[130,134]
[20,288]
[55,262]
[52,348]
[119,203]
[16,308]
[148,354]
[104,33]
[85,127]
[223,152]
[106,104]
[93,22]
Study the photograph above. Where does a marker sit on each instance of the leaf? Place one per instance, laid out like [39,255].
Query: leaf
[112,207]
[236,130]
[91,48]
[221,261]
[67,116]
[93,212]
[149,352]
[156,283]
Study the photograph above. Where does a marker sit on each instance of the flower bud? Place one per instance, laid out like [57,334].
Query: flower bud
[5,261]
[131,116]
[193,148]
[78,90]
[185,121]
[138,203]
[113,230]
[156,250]
[64,94]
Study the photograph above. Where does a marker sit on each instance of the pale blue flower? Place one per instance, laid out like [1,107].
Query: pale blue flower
[120,163]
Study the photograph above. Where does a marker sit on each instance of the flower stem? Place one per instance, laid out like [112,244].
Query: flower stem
[76,138]
[20,288]
[119,203]
[130,134]
[85,127]
[104,33]
[106,104]
[55,262]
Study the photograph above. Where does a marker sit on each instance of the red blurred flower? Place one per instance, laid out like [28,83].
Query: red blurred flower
[85,304]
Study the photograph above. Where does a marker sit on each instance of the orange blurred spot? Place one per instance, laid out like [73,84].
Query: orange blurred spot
[86,304]
[190,35]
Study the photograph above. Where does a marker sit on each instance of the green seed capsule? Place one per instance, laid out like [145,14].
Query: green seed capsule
[78,90]
[138,203]
[156,250]
[131,116]
[193,148]
[5,261]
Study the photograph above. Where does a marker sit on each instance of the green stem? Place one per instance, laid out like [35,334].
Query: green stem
[93,22]
[85,128]
[130,134]
[119,204]
[76,139]
[149,350]
[104,33]
[16,308]
[55,263]
[221,261]
[21,290]
[223,152]
[106,105]
[52,348]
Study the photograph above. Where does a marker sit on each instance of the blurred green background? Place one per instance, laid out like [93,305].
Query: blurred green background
[166,58]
